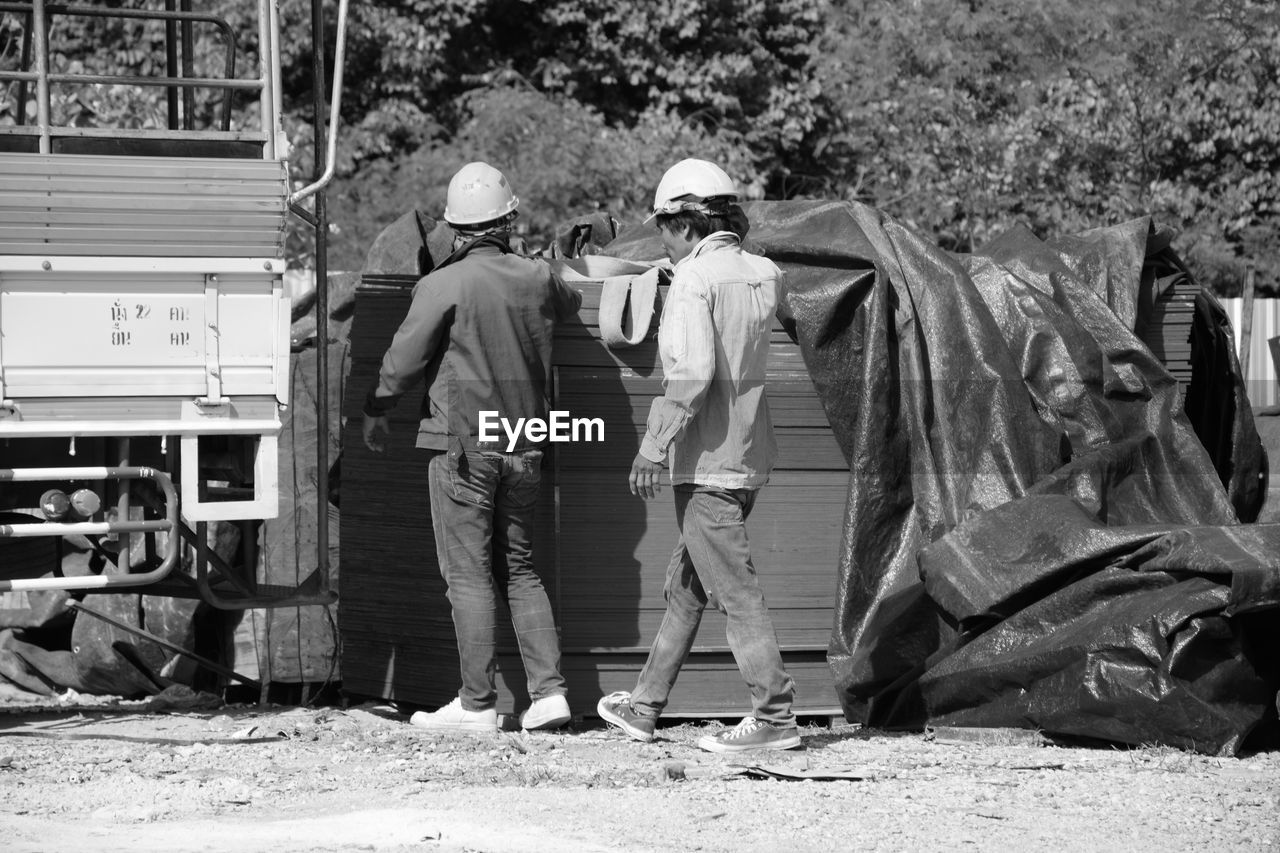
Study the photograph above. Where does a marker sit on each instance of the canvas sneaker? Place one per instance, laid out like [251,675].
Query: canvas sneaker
[549,712]
[616,710]
[453,717]
[752,734]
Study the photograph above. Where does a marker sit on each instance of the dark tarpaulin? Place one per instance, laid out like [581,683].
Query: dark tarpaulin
[1030,508]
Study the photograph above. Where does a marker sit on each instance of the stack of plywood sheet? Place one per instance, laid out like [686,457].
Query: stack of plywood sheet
[1167,332]
[602,552]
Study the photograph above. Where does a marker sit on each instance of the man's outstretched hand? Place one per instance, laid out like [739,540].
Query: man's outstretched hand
[373,430]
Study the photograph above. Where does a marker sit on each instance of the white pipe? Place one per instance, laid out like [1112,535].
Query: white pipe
[331,155]
[90,472]
[279,145]
[40,27]
[266,101]
[83,528]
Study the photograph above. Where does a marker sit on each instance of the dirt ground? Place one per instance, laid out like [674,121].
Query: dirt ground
[109,775]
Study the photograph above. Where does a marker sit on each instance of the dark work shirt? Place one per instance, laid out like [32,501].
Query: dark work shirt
[479,332]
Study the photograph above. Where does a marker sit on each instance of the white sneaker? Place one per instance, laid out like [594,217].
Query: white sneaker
[549,712]
[453,717]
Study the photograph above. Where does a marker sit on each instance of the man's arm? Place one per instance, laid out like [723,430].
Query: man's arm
[567,300]
[687,344]
[415,343]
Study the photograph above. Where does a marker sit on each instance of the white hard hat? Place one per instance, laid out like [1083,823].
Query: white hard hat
[478,193]
[689,184]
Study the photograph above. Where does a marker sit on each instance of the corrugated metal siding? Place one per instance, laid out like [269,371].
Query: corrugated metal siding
[141,206]
[603,553]
[1264,389]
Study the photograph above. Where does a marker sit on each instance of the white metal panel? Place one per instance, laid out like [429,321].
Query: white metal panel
[140,264]
[1261,381]
[250,343]
[162,328]
[106,416]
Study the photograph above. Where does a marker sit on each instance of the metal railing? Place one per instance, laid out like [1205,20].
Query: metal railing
[35,48]
[102,582]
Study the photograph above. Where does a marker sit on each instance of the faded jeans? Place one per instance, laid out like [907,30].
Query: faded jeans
[482,511]
[712,563]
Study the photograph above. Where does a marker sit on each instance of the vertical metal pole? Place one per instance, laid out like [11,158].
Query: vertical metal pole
[322,305]
[277,84]
[1273,344]
[122,507]
[25,65]
[188,71]
[202,543]
[264,678]
[557,479]
[171,63]
[1246,326]
[267,47]
[42,70]
[249,551]
[229,71]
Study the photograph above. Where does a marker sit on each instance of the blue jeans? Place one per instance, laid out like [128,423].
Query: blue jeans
[482,511]
[712,563]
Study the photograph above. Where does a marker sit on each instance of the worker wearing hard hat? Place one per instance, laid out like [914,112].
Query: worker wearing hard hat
[479,331]
[711,427]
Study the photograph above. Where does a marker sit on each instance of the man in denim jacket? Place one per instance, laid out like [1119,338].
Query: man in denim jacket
[479,330]
[712,427]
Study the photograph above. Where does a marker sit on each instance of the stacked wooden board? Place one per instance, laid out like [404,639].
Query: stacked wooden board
[1167,332]
[602,553]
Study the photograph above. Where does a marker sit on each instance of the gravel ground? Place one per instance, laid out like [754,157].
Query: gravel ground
[119,777]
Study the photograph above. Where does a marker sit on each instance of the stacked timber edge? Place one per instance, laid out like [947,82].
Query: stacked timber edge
[1167,332]
[601,552]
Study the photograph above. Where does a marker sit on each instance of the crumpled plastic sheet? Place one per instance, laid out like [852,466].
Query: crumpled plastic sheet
[1042,531]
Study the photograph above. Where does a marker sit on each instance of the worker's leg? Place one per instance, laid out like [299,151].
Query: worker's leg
[462,490]
[715,532]
[513,521]
[686,600]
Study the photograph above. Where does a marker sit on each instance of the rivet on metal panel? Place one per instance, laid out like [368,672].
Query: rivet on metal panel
[266,265]
[46,265]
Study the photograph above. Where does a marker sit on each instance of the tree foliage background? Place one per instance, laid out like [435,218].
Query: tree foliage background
[961,117]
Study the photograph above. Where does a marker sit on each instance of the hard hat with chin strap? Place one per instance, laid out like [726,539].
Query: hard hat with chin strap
[689,185]
[478,193]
